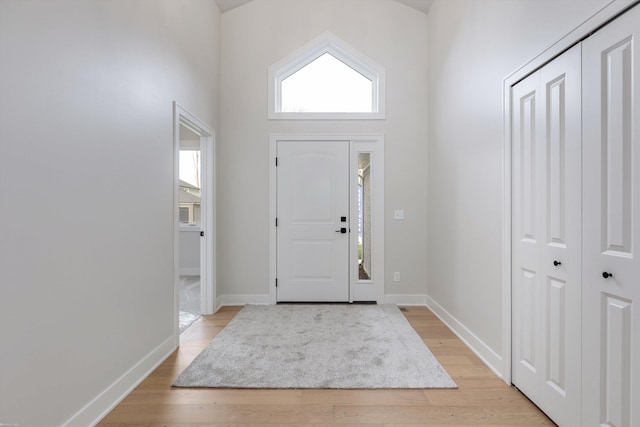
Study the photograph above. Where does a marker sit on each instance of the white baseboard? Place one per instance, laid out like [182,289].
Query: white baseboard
[244,299]
[102,404]
[406,299]
[484,352]
[189,271]
[226,300]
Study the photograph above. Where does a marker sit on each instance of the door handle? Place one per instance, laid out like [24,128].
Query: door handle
[606,275]
[343,230]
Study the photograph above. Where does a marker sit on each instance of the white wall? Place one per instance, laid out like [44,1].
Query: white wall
[473,46]
[260,33]
[86,289]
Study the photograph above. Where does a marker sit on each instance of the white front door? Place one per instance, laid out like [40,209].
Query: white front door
[546,238]
[312,221]
[611,240]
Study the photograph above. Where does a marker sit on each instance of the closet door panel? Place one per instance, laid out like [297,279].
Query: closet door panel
[611,197]
[546,244]
[561,255]
[527,290]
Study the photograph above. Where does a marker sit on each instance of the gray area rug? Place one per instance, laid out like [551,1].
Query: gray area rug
[317,346]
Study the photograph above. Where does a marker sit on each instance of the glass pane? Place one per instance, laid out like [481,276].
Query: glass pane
[189,186]
[364,216]
[327,85]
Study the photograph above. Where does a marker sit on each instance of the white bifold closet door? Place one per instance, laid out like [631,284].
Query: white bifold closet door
[576,231]
[546,238]
[611,224]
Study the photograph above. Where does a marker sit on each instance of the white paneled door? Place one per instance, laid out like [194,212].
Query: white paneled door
[546,283]
[312,221]
[611,241]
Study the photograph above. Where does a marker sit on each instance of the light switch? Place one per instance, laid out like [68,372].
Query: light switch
[398,214]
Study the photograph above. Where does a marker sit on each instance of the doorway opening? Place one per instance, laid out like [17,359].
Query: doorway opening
[194,225]
[190,214]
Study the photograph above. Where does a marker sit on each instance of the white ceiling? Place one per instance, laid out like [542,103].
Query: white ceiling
[421,5]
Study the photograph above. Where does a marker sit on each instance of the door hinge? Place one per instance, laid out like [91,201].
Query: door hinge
[276,222]
[276,282]
[276,161]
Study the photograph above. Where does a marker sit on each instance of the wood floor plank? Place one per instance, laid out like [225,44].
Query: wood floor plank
[511,416]
[185,396]
[234,425]
[469,371]
[481,400]
[364,397]
[480,384]
[504,397]
[198,413]
[459,360]
[434,332]
[456,425]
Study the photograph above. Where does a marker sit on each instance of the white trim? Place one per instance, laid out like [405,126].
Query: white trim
[207,272]
[406,299]
[272,248]
[110,397]
[208,253]
[326,43]
[506,243]
[326,116]
[371,143]
[367,290]
[482,350]
[234,300]
[606,13]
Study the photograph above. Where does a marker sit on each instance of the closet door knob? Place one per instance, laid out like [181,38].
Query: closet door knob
[606,275]
[557,263]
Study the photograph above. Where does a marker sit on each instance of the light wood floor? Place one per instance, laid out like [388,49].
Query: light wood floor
[481,399]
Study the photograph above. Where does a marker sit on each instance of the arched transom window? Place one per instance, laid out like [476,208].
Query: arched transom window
[326,79]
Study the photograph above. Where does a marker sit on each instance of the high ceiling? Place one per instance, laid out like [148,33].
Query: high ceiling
[421,5]
[226,5]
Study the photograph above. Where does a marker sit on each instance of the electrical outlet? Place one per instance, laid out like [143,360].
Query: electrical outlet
[398,214]
[396,276]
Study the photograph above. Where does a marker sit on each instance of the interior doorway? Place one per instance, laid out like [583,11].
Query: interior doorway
[190,188]
[194,225]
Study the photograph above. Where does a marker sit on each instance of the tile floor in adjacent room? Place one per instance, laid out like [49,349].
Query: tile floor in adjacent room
[189,291]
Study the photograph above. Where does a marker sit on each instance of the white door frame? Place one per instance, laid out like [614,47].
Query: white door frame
[358,143]
[183,117]
[614,8]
